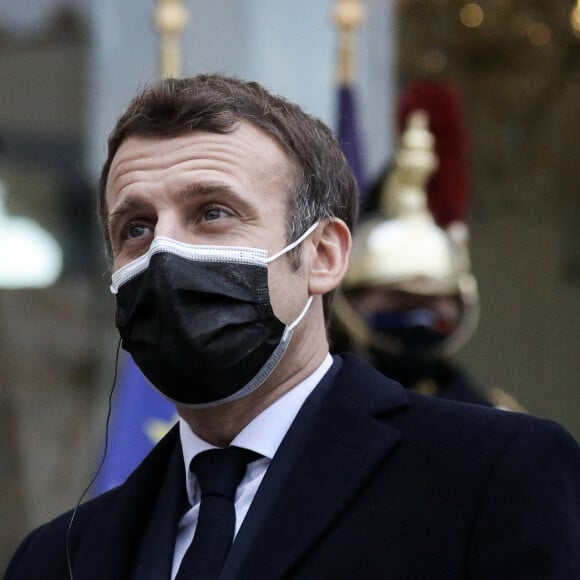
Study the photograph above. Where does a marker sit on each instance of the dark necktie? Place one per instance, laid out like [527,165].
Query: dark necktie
[218,472]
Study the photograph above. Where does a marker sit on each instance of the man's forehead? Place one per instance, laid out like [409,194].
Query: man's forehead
[257,140]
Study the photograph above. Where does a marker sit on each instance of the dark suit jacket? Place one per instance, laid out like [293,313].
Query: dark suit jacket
[372,482]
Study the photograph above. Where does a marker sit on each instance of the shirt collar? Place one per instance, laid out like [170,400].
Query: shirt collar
[265,432]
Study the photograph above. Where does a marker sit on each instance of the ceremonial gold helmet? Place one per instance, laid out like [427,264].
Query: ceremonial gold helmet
[402,249]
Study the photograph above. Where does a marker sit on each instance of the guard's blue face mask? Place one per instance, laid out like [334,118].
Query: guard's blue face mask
[415,331]
[198,319]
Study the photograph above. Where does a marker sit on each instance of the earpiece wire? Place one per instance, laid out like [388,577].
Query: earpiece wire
[101,463]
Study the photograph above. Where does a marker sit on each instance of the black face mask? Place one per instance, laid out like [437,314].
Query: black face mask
[414,332]
[198,319]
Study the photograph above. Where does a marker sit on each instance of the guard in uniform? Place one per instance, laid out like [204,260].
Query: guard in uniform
[409,300]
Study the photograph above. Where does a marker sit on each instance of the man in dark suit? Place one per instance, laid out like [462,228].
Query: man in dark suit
[228,213]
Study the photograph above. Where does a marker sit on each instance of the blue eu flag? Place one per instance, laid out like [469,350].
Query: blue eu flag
[348,133]
[140,417]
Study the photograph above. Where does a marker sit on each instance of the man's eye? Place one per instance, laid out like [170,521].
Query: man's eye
[215,213]
[136,231]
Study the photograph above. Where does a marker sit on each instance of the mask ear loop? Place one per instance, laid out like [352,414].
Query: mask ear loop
[293,244]
[99,468]
[290,328]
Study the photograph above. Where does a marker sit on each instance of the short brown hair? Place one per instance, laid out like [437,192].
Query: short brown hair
[325,186]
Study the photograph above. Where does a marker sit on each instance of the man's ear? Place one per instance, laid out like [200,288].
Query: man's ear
[331,244]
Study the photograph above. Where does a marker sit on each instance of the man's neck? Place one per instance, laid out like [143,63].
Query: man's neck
[219,425]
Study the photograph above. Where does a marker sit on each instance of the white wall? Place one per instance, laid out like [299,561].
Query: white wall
[290,47]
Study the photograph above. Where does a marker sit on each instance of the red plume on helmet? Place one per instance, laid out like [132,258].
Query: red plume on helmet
[448,188]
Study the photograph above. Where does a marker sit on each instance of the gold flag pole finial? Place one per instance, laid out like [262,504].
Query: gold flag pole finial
[575,19]
[349,15]
[170,20]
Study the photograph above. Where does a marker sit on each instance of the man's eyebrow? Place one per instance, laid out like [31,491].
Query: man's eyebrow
[223,193]
[127,205]
[193,190]
[209,189]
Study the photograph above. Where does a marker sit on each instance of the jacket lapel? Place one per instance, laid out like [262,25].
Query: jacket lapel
[155,557]
[111,539]
[332,448]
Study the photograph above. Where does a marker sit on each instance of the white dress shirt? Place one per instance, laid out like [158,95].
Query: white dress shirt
[263,435]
